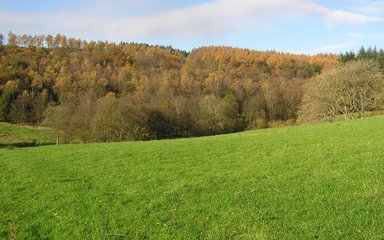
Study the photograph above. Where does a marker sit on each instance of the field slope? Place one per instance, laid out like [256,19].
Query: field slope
[320,181]
[18,136]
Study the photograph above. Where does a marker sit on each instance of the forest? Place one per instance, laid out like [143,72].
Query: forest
[91,91]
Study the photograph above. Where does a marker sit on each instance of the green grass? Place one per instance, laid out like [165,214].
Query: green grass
[320,181]
[17,135]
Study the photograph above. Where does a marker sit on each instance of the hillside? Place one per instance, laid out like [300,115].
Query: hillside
[87,90]
[18,135]
[320,181]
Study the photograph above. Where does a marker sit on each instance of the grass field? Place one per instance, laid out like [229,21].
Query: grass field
[16,135]
[320,181]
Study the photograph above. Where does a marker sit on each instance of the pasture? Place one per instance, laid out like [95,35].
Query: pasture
[315,181]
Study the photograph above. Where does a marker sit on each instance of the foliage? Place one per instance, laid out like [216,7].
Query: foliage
[116,120]
[150,83]
[350,90]
[367,54]
[317,181]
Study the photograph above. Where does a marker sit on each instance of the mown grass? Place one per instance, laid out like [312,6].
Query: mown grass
[17,135]
[320,181]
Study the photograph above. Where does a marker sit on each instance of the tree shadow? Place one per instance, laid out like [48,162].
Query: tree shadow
[33,143]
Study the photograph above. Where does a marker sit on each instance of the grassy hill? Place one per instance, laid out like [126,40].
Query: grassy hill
[320,181]
[18,135]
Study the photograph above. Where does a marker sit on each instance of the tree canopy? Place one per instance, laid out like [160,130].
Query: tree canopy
[349,89]
[139,91]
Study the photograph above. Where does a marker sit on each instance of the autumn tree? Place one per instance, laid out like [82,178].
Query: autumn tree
[157,124]
[254,112]
[182,110]
[63,41]
[159,92]
[1,39]
[116,120]
[56,40]
[58,117]
[12,39]
[39,41]
[82,116]
[349,90]
[21,108]
[39,104]
[9,92]
[50,41]
[216,115]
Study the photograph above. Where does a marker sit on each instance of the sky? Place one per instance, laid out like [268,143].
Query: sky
[296,26]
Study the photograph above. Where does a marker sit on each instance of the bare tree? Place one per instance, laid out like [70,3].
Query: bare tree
[1,39]
[349,89]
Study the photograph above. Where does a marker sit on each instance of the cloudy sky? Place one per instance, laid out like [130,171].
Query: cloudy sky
[300,26]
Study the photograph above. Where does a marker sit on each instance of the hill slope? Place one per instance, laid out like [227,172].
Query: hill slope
[17,135]
[151,86]
[314,181]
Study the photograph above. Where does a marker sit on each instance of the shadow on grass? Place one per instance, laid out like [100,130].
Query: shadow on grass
[23,144]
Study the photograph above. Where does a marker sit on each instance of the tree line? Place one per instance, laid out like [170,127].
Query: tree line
[374,54]
[101,91]
[353,87]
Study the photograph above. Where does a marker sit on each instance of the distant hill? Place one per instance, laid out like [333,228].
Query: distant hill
[160,91]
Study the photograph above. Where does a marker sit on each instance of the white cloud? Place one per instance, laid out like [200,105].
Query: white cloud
[365,36]
[375,8]
[334,48]
[354,41]
[334,18]
[202,21]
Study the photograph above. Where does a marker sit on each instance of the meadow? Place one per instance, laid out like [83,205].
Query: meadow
[20,135]
[314,181]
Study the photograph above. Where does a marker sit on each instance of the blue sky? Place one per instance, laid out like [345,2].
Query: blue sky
[299,26]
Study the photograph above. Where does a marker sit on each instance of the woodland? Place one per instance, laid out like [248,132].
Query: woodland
[91,91]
